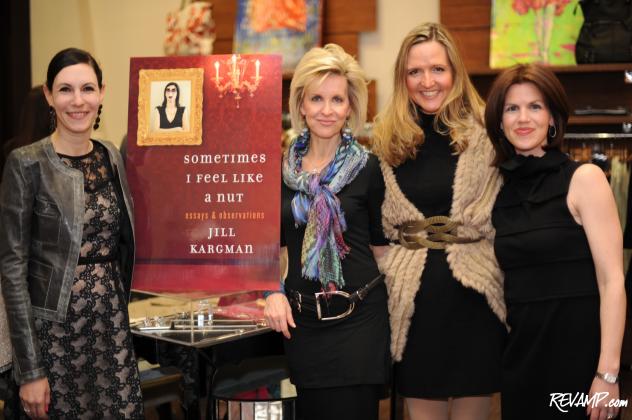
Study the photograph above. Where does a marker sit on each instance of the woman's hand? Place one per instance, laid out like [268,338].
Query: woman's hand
[602,393]
[278,314]
[35,397]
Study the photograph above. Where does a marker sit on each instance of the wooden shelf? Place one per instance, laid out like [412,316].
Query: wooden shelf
[597,136]
[599,119]
[600,86]
[580,68]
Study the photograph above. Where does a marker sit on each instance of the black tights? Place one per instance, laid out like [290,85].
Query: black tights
[357,402]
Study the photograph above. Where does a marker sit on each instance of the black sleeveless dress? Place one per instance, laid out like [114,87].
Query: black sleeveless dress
[177,119]
[550,290]
[455,341]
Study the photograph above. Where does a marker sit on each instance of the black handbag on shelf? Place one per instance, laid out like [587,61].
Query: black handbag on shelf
[606,35]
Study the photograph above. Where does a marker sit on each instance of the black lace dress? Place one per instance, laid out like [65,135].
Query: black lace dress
[89,358]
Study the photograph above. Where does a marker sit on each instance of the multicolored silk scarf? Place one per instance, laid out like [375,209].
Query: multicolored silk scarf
[316,205]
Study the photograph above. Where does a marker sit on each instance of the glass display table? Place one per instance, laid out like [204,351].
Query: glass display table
[195,319]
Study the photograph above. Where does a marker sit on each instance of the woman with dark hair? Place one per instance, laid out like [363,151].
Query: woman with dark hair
[170,115]
[559,243]
[66,258]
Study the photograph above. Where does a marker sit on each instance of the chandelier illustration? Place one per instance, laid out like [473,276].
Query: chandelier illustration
[235,79]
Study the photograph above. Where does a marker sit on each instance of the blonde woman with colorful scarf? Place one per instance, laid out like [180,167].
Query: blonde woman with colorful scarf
[333,311]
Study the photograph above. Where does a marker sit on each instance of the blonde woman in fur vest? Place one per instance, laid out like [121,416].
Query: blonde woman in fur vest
[445,288]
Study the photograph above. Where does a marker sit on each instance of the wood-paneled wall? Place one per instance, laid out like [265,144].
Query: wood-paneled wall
[469,22]
[342,22]
[594,85]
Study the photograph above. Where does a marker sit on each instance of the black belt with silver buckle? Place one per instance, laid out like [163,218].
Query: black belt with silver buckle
[312,303]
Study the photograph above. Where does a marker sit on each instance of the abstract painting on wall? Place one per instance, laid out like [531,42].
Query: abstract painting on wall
[286,27]
[526,31]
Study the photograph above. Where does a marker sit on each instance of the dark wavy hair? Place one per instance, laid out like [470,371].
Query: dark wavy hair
[554,96]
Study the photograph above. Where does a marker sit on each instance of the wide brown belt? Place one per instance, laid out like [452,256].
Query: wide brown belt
[441,232]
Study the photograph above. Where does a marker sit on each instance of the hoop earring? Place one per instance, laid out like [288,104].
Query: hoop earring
[98,120]
[52,119]
[552,133]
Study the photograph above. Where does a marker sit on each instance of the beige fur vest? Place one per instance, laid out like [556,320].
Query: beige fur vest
[476,184]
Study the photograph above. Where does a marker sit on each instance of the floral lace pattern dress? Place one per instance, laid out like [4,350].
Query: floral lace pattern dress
[90,360]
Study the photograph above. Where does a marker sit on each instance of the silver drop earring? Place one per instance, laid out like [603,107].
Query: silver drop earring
[347,130]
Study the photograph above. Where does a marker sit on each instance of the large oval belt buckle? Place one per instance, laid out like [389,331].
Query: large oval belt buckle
[338,293]
[409,234]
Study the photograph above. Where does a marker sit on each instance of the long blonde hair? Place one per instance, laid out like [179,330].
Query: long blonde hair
[396,134]
[315,66]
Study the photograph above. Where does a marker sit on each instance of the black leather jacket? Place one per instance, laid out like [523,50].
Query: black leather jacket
[42,207]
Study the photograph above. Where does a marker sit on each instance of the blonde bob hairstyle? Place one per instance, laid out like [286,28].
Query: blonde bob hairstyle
[314,67]
[396,134]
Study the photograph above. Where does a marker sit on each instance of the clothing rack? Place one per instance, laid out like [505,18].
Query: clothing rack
[604,146]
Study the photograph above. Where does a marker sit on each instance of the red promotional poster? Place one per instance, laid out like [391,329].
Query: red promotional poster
[204,163]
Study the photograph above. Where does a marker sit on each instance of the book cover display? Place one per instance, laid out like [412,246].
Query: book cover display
[203,161]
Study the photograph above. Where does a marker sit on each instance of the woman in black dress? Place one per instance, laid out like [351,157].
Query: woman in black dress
[445,288]
[66,257]
[170,115]
[331,193]
[559,243]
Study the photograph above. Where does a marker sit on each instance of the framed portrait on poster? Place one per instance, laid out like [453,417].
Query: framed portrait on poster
[170,107]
